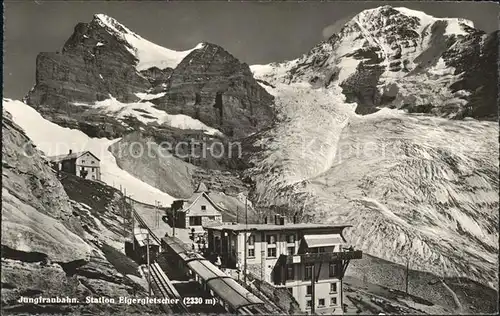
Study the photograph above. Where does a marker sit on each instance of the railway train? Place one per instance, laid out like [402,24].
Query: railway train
[231,295]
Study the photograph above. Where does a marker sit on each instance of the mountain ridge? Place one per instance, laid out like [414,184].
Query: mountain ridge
[378,82]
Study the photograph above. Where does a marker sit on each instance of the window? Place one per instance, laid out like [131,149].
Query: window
[203,207]
[83,161]
[271,252]
[309,304]
[290,275]
[251,240]
[92,162]
[290,239]
[290,251]
[251,252]
[271,239]
[308,272]
[321,302]
[211,218]
[333,269]
[321,249]
[333,301]
[309,290]
[195,221]
[333,287]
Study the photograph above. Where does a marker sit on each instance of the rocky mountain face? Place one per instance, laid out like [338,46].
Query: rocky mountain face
[401,58]
[103,60]
[92,65]
[213,86]
[52,246]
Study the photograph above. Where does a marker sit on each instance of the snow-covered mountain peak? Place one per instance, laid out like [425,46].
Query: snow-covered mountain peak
[147,53]
[418,21]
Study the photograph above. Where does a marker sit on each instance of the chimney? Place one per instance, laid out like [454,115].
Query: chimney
[70,151]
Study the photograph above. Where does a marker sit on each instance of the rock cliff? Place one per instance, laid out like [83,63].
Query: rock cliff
[214,87]
[103,60]
[48,249]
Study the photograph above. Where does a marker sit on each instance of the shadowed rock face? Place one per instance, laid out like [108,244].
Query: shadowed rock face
[97,63]
[213,86]
[92,65]
[477,59]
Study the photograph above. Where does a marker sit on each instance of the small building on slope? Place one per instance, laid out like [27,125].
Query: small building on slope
[83,164]
[197,211]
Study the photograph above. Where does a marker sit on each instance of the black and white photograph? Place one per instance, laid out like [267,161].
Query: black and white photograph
[250,157]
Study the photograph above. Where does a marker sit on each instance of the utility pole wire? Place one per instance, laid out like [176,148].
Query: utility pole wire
[149,264]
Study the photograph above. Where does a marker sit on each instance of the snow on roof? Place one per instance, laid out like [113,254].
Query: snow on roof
[148,54]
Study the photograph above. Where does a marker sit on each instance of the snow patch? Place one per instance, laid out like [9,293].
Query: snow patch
[147,96]
[147,113]
[53,139]
[148,54]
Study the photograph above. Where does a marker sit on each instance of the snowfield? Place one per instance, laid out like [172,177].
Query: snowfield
[147,113]
[411,185]
[149,54]
[53,139]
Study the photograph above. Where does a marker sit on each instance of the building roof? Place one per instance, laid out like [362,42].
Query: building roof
[141,236]
[201,188]
[324,240]
[195,197]
[68,156]
[264,227]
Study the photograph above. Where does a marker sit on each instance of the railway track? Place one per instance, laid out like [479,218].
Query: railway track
[165,287]
[167,290]
[142,223]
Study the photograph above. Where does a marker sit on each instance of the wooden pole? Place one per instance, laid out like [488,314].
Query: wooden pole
[246,241]
[124,200]
[407,274]
[173,221]
[313,290]
[133,225]
[149,264]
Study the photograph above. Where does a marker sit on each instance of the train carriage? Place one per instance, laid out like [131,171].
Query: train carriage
[230,294]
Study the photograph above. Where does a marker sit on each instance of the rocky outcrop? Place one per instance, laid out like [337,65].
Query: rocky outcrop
[401,58]
[213,86]
[104,60]
[93,64]
[36,212]
[475,57]
[50,247]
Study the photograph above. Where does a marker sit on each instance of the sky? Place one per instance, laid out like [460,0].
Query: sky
[254,32]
